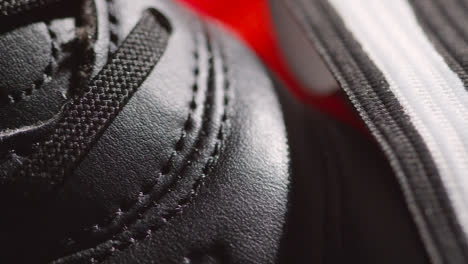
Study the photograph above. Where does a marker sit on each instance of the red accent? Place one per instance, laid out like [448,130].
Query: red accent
[251,20]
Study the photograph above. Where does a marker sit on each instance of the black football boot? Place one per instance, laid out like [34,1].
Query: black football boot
[134,132]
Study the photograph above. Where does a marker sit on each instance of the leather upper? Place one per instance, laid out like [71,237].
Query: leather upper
[39,71]
[194,168]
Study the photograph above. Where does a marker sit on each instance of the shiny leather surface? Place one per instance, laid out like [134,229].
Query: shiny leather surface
[39,69]
[244,196]
[194,168]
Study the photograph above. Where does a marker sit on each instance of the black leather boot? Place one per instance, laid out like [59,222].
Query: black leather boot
[134,132]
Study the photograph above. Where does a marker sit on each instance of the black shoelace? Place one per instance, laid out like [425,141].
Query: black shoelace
[87,114]
[14,7]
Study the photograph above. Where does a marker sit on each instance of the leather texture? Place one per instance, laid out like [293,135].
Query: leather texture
[38,69]
[213,113]
[194,168]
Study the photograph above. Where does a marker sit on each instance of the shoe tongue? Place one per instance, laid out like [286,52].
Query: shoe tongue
[39,67]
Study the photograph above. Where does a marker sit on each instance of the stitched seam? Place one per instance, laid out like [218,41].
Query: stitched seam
[168,166]
[17,96]
[199,182]
[87,116]
[37,85]
[107,248]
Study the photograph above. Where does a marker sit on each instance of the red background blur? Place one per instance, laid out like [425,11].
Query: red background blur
[251,20]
